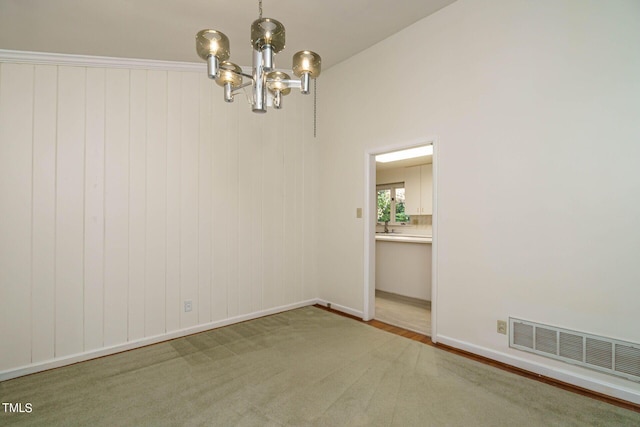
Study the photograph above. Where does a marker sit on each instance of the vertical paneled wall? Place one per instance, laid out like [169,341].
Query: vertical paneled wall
[126,192]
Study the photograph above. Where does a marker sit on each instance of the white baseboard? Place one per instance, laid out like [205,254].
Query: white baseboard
[342,308]
[105,351]
[593,384]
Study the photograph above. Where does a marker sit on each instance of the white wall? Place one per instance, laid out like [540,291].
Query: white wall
[535,105]
[126,191]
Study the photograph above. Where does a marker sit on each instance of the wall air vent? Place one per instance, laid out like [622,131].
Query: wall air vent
[603,354]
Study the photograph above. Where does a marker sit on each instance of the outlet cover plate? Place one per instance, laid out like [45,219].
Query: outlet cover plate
[502,327]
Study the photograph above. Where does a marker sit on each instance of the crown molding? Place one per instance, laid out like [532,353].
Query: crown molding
[44,58]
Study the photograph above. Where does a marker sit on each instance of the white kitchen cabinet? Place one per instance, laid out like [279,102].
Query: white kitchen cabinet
[418,190]
[404,268]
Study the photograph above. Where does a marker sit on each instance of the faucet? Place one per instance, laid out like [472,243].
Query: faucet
[386,226]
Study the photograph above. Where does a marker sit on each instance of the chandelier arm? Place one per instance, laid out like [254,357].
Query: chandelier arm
[291,83]
[243,85]
[249,76]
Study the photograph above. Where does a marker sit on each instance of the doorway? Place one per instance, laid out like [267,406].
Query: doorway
[398,224]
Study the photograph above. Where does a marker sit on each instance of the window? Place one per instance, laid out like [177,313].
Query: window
[391,200]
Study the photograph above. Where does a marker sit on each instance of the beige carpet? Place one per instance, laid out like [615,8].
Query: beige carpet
[405,312]
[302,367]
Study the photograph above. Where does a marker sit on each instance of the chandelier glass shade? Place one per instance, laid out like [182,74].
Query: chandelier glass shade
[268,85]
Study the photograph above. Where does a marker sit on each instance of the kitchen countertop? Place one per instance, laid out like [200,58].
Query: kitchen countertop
[403,238]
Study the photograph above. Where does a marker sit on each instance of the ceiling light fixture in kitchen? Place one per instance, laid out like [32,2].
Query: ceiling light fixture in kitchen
[409,153]
[268,85]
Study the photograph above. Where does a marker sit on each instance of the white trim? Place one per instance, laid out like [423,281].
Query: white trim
[370,220]
[573,378]
[98,61]
[87,355]
[341,308]
[434,242]
[370,223]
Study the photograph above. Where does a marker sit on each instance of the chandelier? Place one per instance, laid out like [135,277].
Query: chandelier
[268,85]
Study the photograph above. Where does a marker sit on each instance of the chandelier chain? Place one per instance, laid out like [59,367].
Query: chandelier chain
[260,9]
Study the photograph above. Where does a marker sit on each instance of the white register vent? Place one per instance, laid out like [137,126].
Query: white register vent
[604,354]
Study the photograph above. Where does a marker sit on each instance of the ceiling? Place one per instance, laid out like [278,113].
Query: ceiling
[422,160]
[165,29]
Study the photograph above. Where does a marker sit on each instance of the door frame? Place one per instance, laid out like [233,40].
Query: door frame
[370,227]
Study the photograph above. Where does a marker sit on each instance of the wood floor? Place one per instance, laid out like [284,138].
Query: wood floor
[408,313]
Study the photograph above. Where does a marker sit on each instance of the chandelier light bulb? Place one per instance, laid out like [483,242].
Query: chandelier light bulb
[306,65]
[307,61]
[229,73]
[277,84]
[267,32]
[213,47]
[212,43]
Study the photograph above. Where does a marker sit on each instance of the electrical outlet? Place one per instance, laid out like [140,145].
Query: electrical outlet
[502,327]
[188,306]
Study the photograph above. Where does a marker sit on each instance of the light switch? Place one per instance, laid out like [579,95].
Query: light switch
[358,212]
